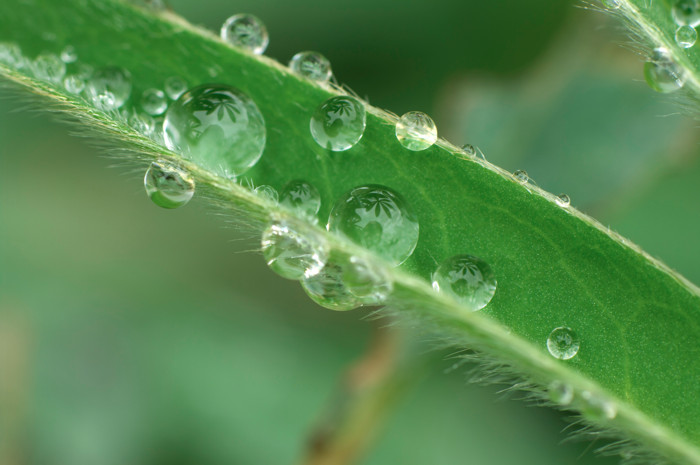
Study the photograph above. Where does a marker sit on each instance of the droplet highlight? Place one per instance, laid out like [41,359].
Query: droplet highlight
[311,65]
[167,185]
[686,36]
[218,127]
[291,254]
[338,123]
[468,279]
[563,343]
[416,131]
[301,197]
[378,219]
[662,73]
[69,55]
[246,31]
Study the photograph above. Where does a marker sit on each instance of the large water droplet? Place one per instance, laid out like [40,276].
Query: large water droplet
[291,254]
[246,31]
[686,36]
[561,393]
[301,197]
[686,12]
[468,279]
[218,127]
[662,73]
[49,67]
[153,102]
[366,281]
[416,131]
[338,123]
[167,185]
[563,343]
[311,65]
[378,219]
[175,86]
[110,88]
[328,289]
[11,54]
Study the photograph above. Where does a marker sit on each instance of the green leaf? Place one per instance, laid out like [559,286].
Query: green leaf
[636,319]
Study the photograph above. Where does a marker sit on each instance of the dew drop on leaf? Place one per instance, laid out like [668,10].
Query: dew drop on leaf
[598,408]
[662,73]
[49,67]
[469,279]
[561,393]
[268,192]
[563,343]
[686,36]
[563,200]
[143,123]
[367,281]
[328,289]
[379,219]
[291,254]
[218,127]
[154,102]
[167,185]
[246,31]
[686,12]
[521,176]
[301,197]
[109,88]
[69,55]
[311,65]
[175,86]
[416,131]
[338,123]
[74,84]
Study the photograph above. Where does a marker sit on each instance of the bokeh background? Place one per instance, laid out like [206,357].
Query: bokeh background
[134,335]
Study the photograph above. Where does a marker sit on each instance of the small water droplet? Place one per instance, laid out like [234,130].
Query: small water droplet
[74,84]
[686,36]
[301,197]
[521,176]
[469,149]
[175,86]
[167,185]
[11,54]
[268,192]
[49,67]
[338,123]
[291,254]
[611,4]
[416,131]
[561,393]
[686,12]
[153,102]
[563,200]
[468,279]
[378,219]
[109,88]
[563,343]
[246,31]
[662,73]
[311,65]
[218,127]
[367,281]
[69,55]
[597,407]
[328,289]
[144,124]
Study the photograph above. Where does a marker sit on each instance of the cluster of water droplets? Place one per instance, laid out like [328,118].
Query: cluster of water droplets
[593,406]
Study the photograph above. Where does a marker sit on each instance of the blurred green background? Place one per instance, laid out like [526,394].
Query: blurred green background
[134,335]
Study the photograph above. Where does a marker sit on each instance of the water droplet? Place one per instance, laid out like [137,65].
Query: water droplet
[561,393]
[416,131]
[662,73]
[291,254]
[246,31]
[468,279]
[469,149]
[521,176]
[11,54]
[49,67]
[74,84]
[378,219]
[167,185]
[686,36]
[69,55]
[328,289]
[563,343]
[301,197]
[311,65]
[153,102]
[218,127]
[686,12]
[367,281]
[612,4]
[144,124]
[563,200]
[175,86]
[110,88]
[338,123]
[598,408]
[268,192]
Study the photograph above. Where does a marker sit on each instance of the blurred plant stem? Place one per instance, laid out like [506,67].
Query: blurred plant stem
[368,391]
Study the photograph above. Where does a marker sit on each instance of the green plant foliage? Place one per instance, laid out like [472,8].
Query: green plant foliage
[637,320]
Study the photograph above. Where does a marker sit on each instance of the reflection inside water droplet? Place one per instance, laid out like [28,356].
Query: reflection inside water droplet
[338,123]
[167,185]
[469,279]
[563,343]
